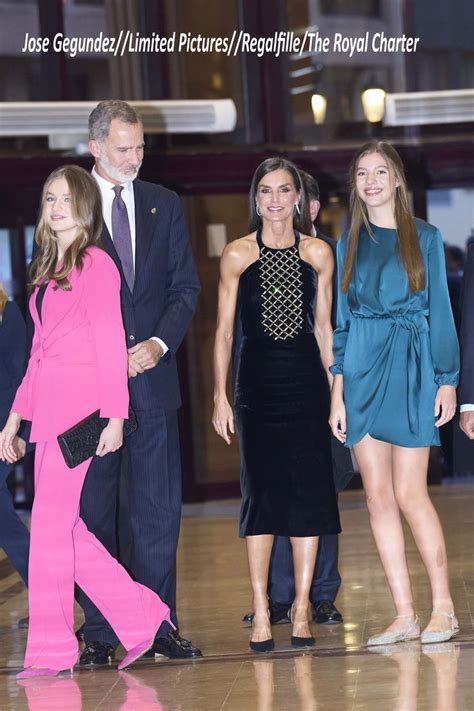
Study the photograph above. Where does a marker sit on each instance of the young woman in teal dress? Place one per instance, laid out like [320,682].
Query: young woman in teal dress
[396,363]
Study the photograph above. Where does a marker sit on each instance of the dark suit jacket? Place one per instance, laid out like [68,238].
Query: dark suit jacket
[455,291]
[466,388]
[332,243]
[341,456]
[165,291]
[12,357]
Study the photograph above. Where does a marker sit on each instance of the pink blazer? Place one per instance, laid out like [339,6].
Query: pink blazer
[78,360]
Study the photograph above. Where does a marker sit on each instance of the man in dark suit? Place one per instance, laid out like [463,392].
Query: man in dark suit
[454,270]
[14,536]
[326,579]
[466,387]
[145,233]
[454,257]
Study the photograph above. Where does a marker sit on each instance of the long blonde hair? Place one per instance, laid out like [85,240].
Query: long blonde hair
[86,204]
[407,237]
[3,301]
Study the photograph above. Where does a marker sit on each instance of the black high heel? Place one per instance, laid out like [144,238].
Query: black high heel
[268,645]
[300,642]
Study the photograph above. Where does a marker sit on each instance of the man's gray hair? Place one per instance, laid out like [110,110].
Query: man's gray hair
[104,113]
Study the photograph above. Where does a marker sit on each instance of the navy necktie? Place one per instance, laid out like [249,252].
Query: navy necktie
[121,235]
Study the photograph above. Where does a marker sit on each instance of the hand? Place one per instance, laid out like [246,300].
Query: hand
[223,419]
[146,355]
[337,419]
[111,438]
[134,367]
[8,451]
[19,445]
[445,404]
[466,423]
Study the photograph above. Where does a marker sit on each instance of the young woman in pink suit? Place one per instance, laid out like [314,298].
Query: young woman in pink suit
[78,364]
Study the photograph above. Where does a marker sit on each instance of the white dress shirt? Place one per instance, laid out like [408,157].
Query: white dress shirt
[128,196]
[108,195]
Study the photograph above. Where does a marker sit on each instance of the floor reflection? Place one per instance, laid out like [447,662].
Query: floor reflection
[304,695]
[56,694]
[408,657]
[264,672]
[304,683]
[445,662]
[139,696]
[428,672]
[64,694]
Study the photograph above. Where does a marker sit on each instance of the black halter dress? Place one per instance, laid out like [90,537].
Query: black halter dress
[281,401]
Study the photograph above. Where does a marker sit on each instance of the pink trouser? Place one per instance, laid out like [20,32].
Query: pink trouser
[63,551]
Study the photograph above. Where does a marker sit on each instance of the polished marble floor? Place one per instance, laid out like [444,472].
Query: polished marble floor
[341,673]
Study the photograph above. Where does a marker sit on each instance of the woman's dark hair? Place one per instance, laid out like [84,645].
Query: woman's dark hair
[311,185]
[301,221]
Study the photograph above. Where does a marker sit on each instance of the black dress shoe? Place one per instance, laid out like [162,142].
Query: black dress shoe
[278,614]
[96,654]
[326,613]
[80,634]
[174,646]
[24,623]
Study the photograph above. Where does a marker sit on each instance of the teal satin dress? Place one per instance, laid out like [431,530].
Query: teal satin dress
[394,347]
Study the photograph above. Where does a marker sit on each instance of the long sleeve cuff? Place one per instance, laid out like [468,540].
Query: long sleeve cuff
[162,344]
[447,379]
[467,407]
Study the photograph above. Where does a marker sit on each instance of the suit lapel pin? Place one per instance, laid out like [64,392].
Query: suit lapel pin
[153,210]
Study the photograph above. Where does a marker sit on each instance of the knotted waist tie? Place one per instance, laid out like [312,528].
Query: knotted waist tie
[43,353]
[37,359]
[415,322]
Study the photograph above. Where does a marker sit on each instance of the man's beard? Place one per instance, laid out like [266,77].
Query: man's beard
[117,174]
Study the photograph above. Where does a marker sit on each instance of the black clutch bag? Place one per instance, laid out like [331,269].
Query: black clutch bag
[80,442]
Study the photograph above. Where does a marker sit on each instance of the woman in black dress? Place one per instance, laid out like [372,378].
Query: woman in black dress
[281,401]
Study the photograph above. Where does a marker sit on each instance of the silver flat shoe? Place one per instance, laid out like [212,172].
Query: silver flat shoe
[435,637]
[412,631]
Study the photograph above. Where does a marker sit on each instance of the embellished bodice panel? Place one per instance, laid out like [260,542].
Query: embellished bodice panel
[277,294]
